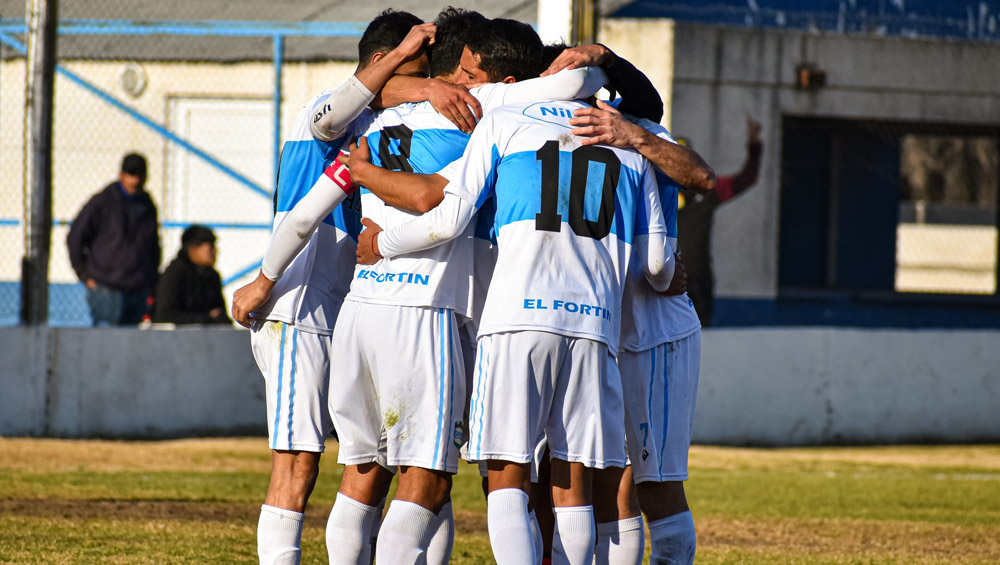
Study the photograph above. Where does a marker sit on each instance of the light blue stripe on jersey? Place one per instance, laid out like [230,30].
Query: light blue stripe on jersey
[430,149]
[451,385]
[666,407]
[519,187]
[277,396]
[302,163]
[441,362]
[649,399]
[481,389]
[668,201]
[291,385]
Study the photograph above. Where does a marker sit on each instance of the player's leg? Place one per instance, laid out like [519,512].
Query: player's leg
[509,403]
[421,386]
[353,405]
[356,513]
[543,519]
[620,535]
[295,365]
[665,381]
[574,535]
[585,431]
[508,516]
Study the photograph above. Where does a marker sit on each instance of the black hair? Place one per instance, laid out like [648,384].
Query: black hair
[551,52]
[385,33]
[454,26]
[195,235]
[506,48]
[134,164]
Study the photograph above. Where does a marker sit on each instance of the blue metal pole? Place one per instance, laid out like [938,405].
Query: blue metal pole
[279,55]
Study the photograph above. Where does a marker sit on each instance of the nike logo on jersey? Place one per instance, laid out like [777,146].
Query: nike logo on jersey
[571,307]
[401,278]
[546,112]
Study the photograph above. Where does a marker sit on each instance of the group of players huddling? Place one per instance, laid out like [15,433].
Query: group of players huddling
[514,296]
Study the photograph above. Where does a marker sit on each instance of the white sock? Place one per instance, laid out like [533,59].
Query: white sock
[442,537]
[510,527]
[404,534]
[621,543]
[574,536]
[279,536]
[536,536]
[673,540]
[347,531]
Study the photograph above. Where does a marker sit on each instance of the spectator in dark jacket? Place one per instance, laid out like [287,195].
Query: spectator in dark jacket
[694,225]
[190,290]
[114,247]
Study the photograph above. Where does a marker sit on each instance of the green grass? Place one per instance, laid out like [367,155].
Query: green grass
[182,502]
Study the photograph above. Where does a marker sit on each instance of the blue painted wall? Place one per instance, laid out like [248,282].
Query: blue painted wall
[960,19]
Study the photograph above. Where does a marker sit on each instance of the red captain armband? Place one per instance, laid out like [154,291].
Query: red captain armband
[339,174]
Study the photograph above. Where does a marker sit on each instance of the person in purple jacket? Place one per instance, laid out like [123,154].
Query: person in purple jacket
[114,247]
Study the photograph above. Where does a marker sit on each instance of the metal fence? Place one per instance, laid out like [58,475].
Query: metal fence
[205,101]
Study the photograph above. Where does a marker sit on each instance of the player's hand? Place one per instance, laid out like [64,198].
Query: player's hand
[603,125]
[367,252]
[250,297]
[90,283]
[678,284]
[359,161]
[455,103]
[415,40]
[580,56]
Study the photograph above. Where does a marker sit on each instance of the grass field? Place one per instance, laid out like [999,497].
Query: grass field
[197,501]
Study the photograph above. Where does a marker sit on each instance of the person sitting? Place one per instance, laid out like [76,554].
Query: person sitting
[190,289]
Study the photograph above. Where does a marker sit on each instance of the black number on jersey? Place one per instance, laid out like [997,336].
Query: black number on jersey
[549,219]
[395,161]
[353,201]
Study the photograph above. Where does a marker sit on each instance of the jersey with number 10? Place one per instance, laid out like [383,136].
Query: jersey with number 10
[566,218]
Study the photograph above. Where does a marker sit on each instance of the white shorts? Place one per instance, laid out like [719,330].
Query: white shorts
[531,385]
[398,387]
[296,369]
[660,386]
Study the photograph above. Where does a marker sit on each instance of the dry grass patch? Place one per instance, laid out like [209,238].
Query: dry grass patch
[980,457]
[894,540]
[208,455]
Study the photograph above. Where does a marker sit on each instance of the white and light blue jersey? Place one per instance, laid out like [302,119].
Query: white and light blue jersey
[565,220]
[312,288]
[416,138]
[650,319]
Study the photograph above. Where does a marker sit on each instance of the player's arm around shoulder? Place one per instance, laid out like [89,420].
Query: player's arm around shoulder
[608,126]
[333,115]
[654,248]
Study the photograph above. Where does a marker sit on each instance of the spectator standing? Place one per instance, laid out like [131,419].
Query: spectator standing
[114,247]
[190,289]
[694,225]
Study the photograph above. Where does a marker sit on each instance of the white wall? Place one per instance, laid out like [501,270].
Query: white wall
[781,386]
[110,382]
[808,386]
[719,76]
